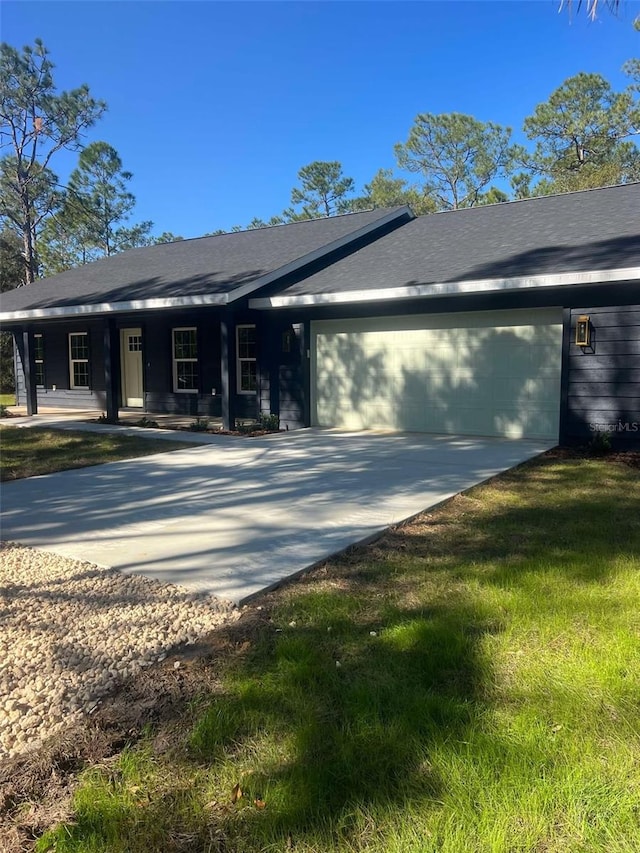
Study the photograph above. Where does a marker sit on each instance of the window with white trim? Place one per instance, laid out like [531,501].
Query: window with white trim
[79,359]
[185,360]
[247,374]
[38,358]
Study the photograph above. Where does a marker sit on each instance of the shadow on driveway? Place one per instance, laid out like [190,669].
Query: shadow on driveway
[234,517]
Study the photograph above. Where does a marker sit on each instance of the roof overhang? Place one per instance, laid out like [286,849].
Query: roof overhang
[112,307]
[215,299]
[450,288]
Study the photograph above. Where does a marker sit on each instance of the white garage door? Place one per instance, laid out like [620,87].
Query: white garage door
[483,373]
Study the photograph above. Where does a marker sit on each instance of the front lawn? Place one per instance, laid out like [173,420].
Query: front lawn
[468,684]
[32,451]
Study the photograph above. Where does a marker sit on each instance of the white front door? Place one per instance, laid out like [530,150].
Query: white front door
[131,359]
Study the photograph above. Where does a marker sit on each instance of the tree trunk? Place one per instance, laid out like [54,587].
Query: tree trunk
[29,254]
[30,271]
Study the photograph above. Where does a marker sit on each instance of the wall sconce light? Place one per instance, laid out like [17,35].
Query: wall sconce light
[583,331]
[287,340]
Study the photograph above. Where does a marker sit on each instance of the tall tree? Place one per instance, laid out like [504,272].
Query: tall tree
[458,156]
[90,222]
[167,237]
[386,191]
[65,241]
[582,136]
[133,237]
[632,66]
[35,123]
[11,276]
[494,195]
[44,197]
[324,191]
[98,193]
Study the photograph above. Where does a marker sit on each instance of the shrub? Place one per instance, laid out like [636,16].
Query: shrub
[270,422]
[199,425]
[600,444]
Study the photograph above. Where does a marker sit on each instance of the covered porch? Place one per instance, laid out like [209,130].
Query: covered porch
[169,367]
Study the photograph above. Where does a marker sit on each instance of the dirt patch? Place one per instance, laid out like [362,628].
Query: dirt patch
[630,458]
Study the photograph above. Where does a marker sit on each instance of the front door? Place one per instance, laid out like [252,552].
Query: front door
[131,360]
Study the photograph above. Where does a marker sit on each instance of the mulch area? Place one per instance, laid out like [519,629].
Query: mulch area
[631,458]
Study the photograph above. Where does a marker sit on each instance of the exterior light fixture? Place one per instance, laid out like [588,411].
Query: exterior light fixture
[583,331]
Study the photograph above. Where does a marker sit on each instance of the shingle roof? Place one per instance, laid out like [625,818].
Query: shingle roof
[203,266]
[590,230]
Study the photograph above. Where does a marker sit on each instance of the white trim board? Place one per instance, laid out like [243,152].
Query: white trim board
[451,288]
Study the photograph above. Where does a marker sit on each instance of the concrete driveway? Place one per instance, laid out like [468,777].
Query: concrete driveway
[236,516]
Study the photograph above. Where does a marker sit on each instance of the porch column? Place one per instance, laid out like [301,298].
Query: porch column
[111,353]
[305,366]
[274,348]
[228,368]
[29,367]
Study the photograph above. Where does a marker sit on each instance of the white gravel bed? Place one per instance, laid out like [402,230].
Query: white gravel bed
[71,631]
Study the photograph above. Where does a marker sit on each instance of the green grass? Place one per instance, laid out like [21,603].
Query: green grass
[33,451]
[494,709]
[7,399]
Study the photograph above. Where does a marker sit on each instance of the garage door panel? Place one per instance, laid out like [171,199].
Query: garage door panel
[489,373]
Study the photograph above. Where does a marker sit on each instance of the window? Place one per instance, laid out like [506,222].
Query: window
[79,359]
[185,360]
[246,359]
[134,343]
[38,357]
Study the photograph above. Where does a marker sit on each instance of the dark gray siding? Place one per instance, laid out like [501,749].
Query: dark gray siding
[602,382]
[158,365]
[281,375]
[159,396]
[57,392]
[293,380]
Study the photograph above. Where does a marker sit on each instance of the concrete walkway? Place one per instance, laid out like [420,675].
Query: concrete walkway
[237,515]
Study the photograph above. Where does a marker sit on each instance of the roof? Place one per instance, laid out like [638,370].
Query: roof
[579,237]
[204,270]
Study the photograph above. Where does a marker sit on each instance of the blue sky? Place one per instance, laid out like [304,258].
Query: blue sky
[215,106]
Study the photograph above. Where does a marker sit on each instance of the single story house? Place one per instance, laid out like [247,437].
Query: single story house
[519,319]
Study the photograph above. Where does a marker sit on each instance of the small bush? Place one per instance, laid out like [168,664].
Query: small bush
[146,422]
[199,425]
[4,411]
[270,422]
[600,444]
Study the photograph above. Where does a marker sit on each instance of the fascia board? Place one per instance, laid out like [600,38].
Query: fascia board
[113,307]
[457,288]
